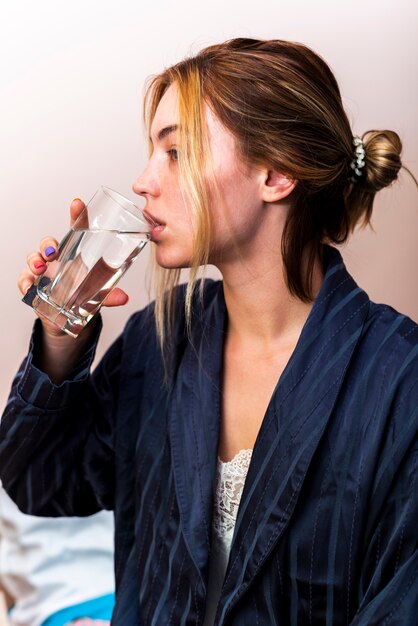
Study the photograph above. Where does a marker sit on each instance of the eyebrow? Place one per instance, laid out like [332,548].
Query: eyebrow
[164,132]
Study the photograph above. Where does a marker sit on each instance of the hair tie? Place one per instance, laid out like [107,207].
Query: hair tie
[358,161]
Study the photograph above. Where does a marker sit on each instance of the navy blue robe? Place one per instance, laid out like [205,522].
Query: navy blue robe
[327,527]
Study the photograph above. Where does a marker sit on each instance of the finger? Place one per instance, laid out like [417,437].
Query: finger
[117,297]
[36,263]
[48,248]
[25,281]
[77,207]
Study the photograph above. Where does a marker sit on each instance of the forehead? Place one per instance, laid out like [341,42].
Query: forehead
[167,115]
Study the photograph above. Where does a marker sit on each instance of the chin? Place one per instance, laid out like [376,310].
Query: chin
[171,261]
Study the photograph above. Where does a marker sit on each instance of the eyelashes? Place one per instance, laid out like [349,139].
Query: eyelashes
[174,155]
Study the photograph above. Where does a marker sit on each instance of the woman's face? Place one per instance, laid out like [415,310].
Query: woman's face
[234,216]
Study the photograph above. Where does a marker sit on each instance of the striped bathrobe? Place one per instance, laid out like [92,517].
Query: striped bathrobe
[327,527]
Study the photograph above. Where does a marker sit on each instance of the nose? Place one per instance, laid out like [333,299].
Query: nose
[146,184]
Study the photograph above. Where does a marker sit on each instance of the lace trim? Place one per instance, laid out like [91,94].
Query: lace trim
[230,480]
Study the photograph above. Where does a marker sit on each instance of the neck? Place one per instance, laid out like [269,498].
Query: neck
[261,310]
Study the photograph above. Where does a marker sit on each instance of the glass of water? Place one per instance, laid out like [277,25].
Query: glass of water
[102,244]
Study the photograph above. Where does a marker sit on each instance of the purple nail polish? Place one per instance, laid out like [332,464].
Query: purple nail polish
[49,250]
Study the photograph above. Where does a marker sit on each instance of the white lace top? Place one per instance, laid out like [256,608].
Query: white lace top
[230,479]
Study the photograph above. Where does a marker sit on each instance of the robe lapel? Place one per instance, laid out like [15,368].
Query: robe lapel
[194,416]
[294,424]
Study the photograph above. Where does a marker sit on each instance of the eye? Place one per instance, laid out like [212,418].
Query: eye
[174,155]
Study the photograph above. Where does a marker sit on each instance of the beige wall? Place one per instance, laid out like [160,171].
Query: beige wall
[71,78]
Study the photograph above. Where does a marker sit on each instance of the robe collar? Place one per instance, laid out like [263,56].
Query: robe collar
[292,427]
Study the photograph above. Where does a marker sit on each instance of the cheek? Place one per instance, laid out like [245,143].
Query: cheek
[235,207]
[173,196]
[181,217]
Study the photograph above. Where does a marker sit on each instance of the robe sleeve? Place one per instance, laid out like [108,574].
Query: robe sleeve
[50,434]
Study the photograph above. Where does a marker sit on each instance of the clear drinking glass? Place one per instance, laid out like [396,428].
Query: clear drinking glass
[102,244]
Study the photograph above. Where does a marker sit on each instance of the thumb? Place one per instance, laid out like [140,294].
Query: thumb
[77,207]
[117,297]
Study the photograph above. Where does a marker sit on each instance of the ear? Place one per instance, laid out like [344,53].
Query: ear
[276,186]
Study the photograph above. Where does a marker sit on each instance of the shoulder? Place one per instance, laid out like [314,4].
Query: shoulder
[391,388]
[387,365]
[393,333]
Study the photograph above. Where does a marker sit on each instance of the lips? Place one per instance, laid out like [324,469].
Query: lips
[157,227]
[150,218]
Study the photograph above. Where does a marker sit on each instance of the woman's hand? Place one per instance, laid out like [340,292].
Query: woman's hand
[37,265]
[58,353]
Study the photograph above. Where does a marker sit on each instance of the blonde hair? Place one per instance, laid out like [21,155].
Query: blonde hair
[282,103]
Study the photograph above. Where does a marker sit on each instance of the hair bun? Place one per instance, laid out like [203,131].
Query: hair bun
[383,158]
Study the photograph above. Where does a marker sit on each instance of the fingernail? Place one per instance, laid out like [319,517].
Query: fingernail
[38,265]
[49,250]
[76,199]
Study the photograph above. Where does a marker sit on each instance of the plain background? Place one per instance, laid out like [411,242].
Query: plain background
[71,86]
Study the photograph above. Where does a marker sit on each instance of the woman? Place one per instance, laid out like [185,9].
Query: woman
[285,363]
